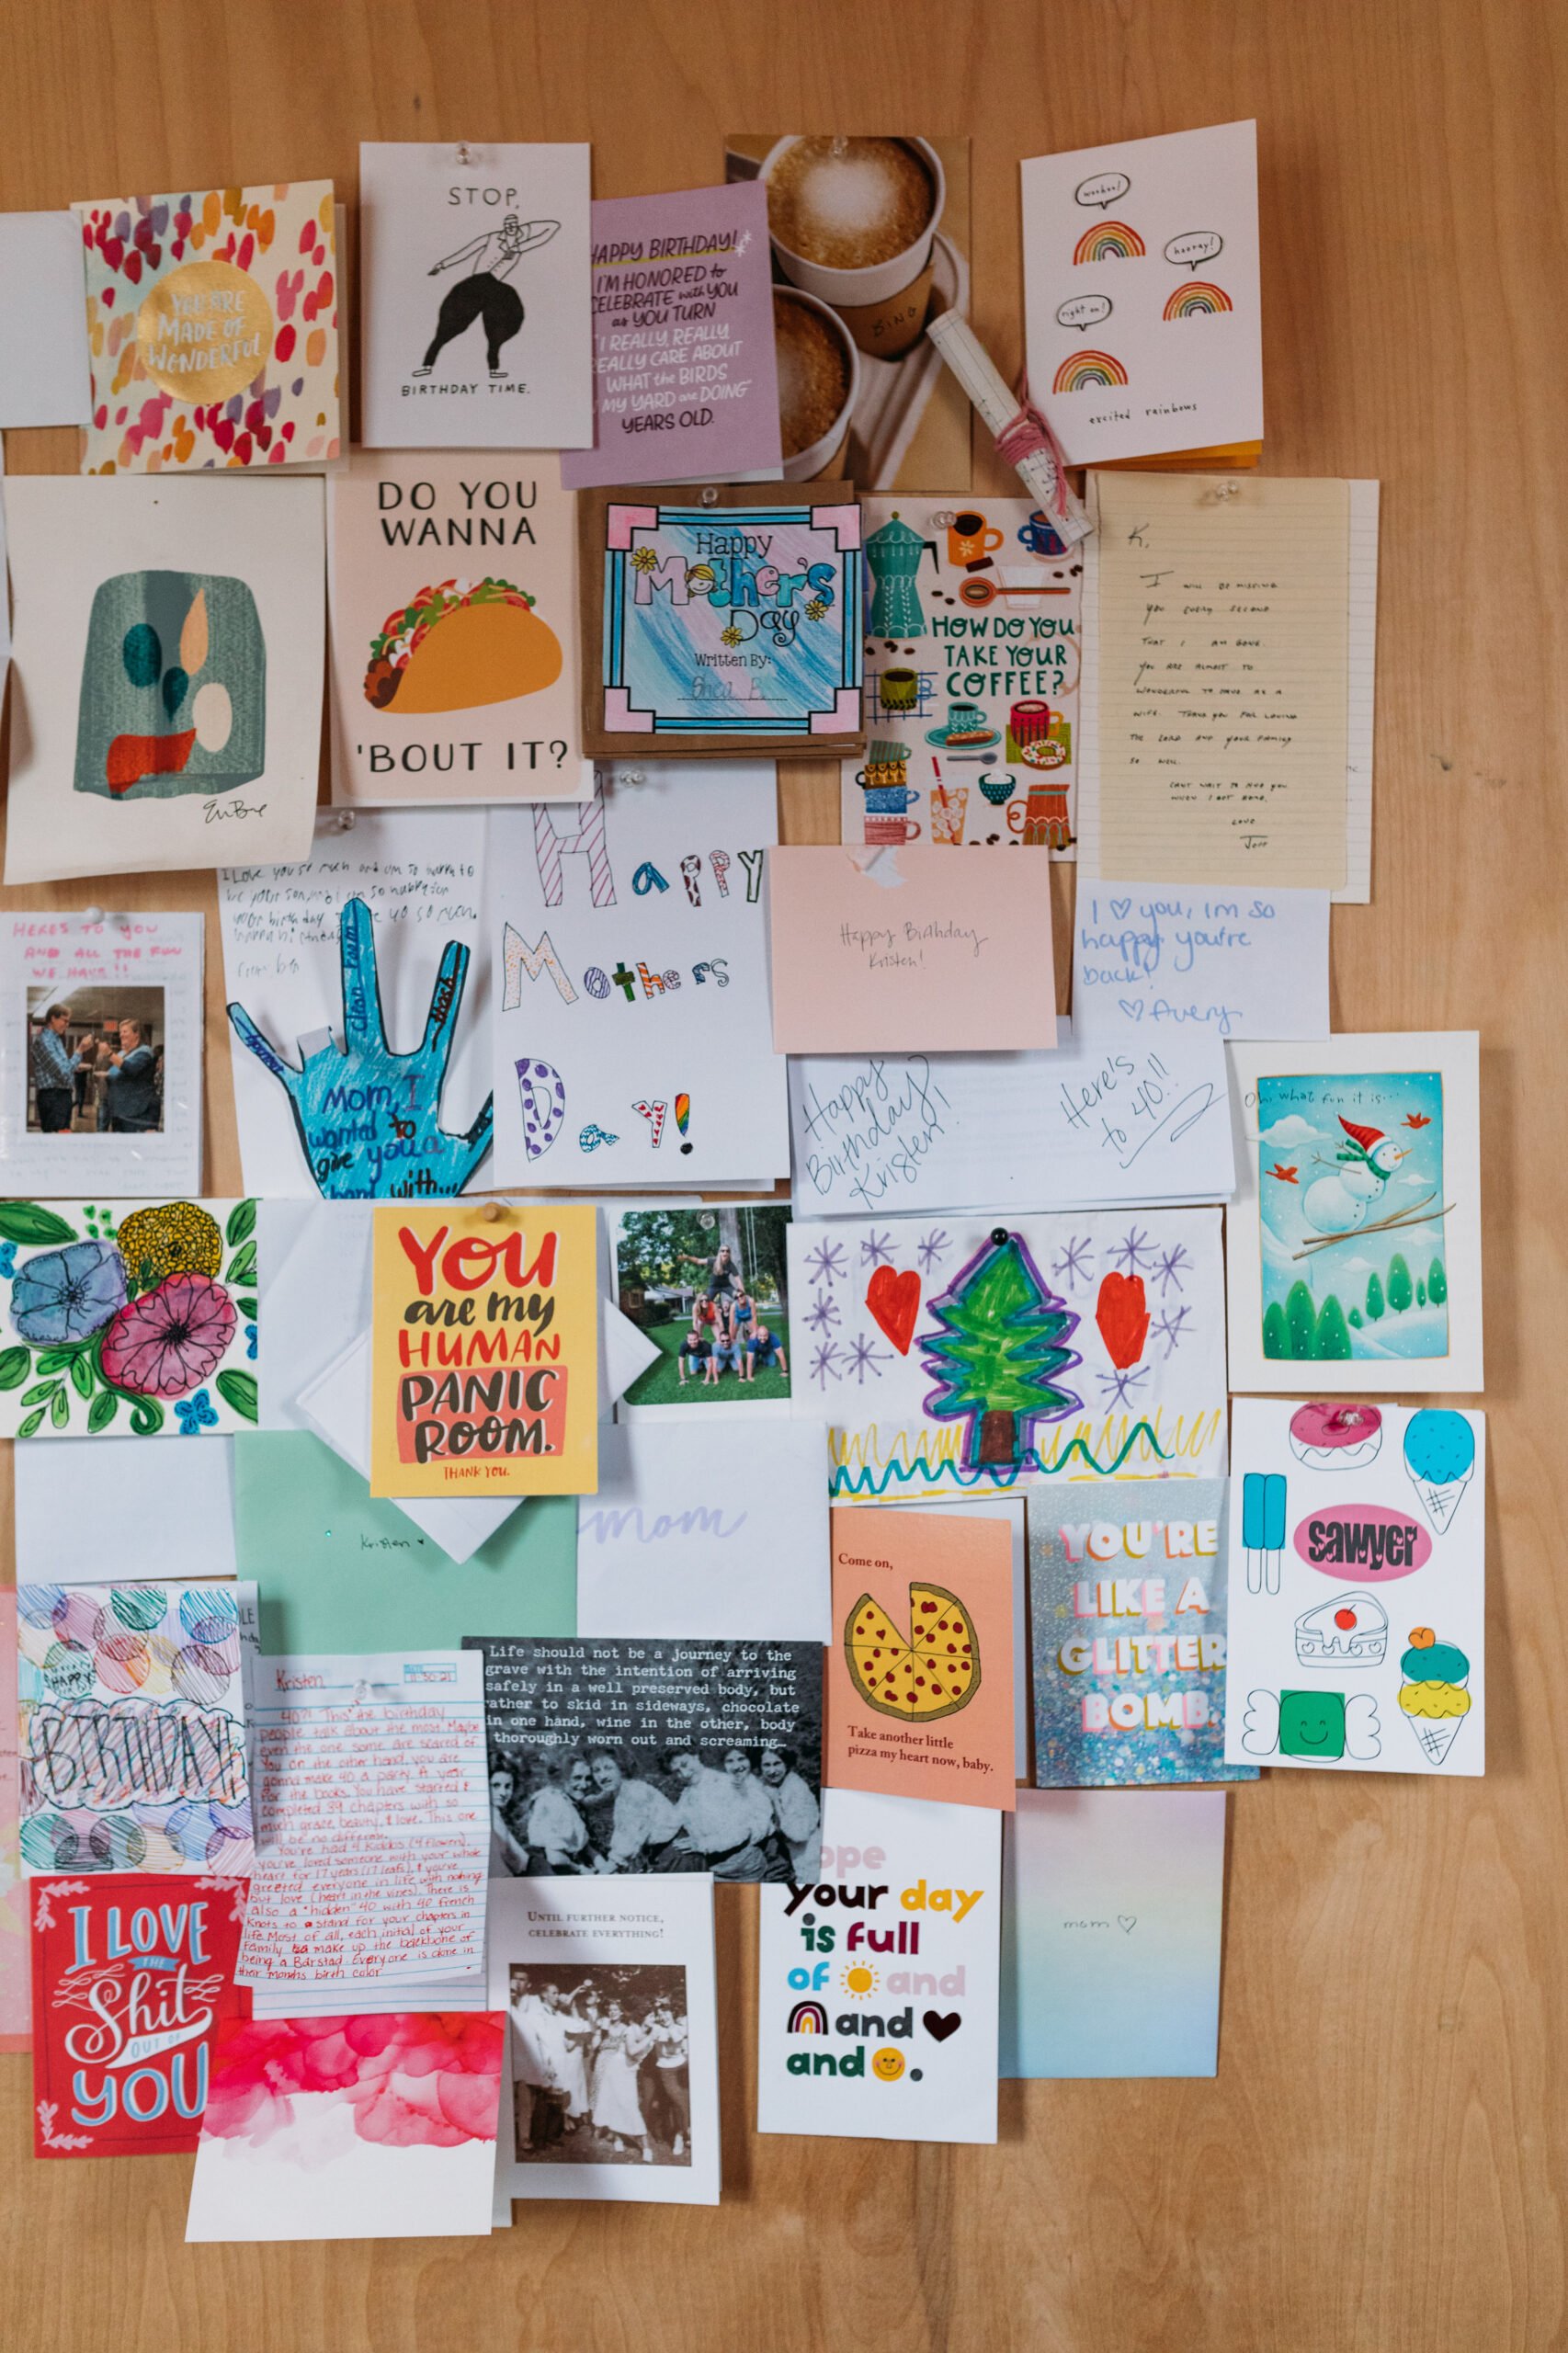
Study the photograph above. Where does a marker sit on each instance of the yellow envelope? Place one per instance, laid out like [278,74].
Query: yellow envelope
[484,1350]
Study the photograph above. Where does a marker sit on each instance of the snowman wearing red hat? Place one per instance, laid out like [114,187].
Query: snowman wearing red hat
[1343,1203]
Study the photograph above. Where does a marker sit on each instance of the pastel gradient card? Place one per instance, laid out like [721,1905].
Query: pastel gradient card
[920,1667]
[212,321]
[1112,1904]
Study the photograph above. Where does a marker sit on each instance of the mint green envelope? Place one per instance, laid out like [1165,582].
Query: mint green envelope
[338,1569]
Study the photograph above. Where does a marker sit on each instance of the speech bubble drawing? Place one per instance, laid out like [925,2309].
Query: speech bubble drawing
[1195,246]
[1102,190]
[1083,311]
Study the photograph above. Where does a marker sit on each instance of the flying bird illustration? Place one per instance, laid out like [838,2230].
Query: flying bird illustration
[1337,1204]
[1286,1175]
[1417,1119]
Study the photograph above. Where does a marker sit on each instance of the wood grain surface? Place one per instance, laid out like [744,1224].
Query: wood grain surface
[1380,2166]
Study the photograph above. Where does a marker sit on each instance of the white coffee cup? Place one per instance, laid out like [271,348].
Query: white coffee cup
[821,459]
[854,288]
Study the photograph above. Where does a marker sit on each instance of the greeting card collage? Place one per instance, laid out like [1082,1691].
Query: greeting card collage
[707,1375]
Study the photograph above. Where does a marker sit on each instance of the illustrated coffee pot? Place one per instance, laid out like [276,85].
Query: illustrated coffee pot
[893,557]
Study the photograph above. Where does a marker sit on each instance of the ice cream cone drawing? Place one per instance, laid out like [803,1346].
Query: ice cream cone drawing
[1439,1455]
[1433,1695]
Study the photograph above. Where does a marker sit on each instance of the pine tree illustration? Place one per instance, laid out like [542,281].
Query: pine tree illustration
[998,1352]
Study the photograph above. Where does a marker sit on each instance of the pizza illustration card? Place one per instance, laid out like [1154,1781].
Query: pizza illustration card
[453,579]
[920,1667]
[1358,1551]
[720,620]
[128,1989]
[213,323]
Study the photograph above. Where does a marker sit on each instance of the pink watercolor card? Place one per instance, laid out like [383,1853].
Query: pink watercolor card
[887,951]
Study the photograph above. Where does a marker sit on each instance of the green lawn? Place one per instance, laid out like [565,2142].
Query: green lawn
[660,1385]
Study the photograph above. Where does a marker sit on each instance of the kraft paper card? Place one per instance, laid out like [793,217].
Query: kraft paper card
[971,693]
[721,624]
[1355,1235]
[894,950]
[453,582]
[166,695]
[1141,296]
[1357,1587]
[475,331]
[686,381]
[920,1667]
[485,1350]
[213,319]
[1113,1911]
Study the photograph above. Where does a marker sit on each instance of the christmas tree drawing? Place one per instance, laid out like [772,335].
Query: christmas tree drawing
[997,1355]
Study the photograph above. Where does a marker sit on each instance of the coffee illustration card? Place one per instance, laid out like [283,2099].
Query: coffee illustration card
[971,691]
[869,241]
[212,327]
[1127,1615]
[876,1985]
[1357,1549]
[166,708]
[453,581]
[685,377]
[722,621]
[475,331]
[920,1667]
[485,1350]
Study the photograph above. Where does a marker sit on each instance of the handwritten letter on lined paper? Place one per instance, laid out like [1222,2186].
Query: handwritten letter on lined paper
[1223,678]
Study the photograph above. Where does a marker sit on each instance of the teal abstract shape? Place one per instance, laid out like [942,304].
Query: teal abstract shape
[142,654]
[175,685]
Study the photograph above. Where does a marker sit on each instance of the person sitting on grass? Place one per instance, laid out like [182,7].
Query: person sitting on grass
[694,1349]
[765,1349]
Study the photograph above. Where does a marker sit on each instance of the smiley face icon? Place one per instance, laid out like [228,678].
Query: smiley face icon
[887,2065]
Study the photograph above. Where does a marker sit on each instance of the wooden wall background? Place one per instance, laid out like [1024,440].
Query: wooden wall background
[1380,2166]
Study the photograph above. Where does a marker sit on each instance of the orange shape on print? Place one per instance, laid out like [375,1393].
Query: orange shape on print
[1123,1319]
[894,1302]
[130,757]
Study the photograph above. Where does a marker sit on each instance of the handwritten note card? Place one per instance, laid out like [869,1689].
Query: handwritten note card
[1156,960]
[1222,679]
[1122,1119]
[372,1838]
[875,951]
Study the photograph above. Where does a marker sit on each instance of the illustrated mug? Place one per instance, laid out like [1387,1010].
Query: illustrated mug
[969,537]
[882,829]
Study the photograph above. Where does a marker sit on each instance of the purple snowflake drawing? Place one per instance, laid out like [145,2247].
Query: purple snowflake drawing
[933,1247]
[1132,1253]
[1169,1327]
[823,1312]
[826,1262]
[876,1249]
[863,1357]
[825,1363]
[1170,1266]
[1076,1264]
[1116,1387]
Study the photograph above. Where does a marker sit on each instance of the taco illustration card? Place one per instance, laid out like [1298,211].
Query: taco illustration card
[920,1666]
[720,620]
[212,321]
[453,580]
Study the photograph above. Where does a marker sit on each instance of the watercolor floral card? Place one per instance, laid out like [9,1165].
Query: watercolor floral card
[124,1319]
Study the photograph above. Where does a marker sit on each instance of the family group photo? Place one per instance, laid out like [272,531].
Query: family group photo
[601,2065]
[743,1813]
[709,1287]
[96,1062]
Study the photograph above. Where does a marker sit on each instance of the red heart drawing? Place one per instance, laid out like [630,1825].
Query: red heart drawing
[1123,1318]
[894,1302]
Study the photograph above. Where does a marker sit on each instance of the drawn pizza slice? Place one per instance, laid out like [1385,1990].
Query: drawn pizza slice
[931,1671]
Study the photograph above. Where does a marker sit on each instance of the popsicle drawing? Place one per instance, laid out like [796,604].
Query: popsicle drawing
[1263,1527]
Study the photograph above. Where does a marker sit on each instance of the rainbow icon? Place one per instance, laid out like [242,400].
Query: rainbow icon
[808,2017]
[1084,370]
[1196,299]
[1108,240]
[683,1119]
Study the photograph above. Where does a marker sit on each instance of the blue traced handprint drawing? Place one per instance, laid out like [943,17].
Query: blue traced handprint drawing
[370,1119]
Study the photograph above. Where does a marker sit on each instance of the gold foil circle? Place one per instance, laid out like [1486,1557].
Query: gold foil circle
[204,332]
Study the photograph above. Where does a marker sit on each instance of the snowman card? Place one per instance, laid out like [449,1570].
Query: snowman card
[1355,1235]
[1357,1577]
[970,689]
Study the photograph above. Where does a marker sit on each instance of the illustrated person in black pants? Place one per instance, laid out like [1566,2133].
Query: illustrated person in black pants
[485,293]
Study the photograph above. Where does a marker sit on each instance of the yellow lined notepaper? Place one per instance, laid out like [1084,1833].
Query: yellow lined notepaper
[1221,674]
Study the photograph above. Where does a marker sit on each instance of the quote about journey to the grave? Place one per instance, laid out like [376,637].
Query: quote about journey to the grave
[648,1695]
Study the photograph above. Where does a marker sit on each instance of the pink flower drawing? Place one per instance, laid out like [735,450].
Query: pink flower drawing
[165,1343]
